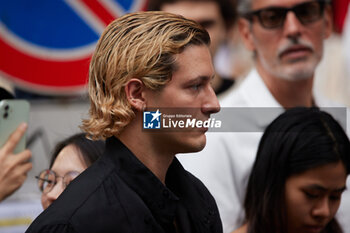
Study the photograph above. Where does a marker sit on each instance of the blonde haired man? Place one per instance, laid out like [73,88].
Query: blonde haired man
[142,60]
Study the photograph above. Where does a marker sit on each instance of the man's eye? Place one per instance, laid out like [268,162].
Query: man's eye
[196,87]
[311,195]
[335,197]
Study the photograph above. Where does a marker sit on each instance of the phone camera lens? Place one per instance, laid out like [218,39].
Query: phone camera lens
[6,115]
[7,107]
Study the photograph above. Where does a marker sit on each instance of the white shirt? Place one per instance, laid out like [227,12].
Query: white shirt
[225,163]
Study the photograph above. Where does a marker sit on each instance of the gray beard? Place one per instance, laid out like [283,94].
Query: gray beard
[297,76]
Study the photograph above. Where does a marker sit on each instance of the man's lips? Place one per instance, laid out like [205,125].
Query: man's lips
[315,228]
[203,129]
[296,51]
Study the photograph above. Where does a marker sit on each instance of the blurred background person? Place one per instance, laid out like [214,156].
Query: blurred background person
[70,157]
[298,176]
[218,17]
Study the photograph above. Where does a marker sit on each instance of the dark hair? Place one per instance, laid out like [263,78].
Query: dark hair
[89,150]
[298,140]
[227,8]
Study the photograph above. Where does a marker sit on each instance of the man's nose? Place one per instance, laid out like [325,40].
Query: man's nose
[292,26]
[211,103]
[322,209]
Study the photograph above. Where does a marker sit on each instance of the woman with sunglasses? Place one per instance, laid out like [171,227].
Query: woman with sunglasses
[298,176]
[70,157]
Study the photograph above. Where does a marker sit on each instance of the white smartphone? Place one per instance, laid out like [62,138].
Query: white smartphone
[12,114]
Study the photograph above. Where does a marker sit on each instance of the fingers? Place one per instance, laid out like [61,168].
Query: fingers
[13,172]
[13,168]
[15,165]
[23,169]
[22,157]
[14,138]
[14,181]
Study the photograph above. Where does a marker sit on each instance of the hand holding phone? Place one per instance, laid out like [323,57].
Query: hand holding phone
[12,114]
[13,167]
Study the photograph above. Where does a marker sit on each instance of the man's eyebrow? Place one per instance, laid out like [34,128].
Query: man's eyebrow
[341,189]
[206,22]
[201,78]
[321,188]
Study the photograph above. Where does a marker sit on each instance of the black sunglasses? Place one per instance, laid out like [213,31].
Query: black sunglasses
[274,17]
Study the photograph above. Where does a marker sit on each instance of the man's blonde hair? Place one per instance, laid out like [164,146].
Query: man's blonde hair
[138,45]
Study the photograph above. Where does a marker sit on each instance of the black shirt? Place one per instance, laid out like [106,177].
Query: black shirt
[119,194]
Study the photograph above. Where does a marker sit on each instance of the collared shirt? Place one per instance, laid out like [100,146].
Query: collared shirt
[225,163]
[119,194]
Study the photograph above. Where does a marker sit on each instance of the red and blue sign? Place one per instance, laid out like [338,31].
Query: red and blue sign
[46,46]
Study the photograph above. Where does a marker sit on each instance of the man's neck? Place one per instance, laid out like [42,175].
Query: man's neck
[289,93]
[149,154]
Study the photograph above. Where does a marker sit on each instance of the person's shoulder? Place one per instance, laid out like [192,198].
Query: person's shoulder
[201,189]
[54,219]
[50,227]
[77,199]
[205,204]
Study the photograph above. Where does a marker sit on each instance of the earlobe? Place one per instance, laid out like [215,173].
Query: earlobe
[245,32]
[134,94]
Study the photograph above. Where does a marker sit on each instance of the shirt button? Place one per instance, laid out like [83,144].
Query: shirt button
[211,212]
[206,221]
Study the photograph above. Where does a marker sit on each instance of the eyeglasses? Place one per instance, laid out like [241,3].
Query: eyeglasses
[274,17]
[47,179]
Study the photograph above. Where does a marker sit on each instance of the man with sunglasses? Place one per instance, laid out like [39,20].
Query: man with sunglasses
[286,38]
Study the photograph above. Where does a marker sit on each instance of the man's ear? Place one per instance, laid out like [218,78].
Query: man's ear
[244,28]
[134,89]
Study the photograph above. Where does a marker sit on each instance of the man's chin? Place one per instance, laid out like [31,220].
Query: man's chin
[195,146]
[297,73]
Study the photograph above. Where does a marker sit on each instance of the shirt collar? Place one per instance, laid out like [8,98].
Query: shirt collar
[258,96]
[256,92]
[161,201]
[264,107]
